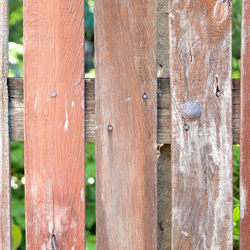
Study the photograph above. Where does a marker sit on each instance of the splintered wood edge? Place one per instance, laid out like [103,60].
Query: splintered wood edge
[16,110]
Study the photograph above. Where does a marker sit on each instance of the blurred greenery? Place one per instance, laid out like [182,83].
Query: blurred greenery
[17,171]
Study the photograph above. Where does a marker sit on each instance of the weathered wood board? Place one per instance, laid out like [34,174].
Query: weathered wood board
[5,189]
[126,124]
[54,123]
[164,197]
[16,110]
[200,71]
[245,129]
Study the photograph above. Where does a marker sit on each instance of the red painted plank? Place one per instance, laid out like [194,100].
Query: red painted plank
[54,123]
[200,60]
[126,121]
[5,188]
[245,129]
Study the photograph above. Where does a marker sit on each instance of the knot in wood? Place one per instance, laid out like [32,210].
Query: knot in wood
[191,110]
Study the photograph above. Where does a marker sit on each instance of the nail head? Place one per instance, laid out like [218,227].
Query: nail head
[186,127]
[145,96]
[218,94]
[53,94]
[110,128]
[191,110]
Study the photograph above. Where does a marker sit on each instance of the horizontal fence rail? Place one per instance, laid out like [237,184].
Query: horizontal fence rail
[16,110]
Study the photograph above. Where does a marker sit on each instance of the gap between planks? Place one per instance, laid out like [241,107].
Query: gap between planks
[16,110]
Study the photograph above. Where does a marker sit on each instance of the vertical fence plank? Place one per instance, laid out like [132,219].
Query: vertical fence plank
[200,48]
[245,129]
[54,123]
[126,160]
[5,190]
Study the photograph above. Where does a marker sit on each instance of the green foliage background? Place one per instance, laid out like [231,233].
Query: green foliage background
[17,171]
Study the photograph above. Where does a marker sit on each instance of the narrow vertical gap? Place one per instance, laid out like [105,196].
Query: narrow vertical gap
[90,170]
[17,148]
[90,174]
[236,45]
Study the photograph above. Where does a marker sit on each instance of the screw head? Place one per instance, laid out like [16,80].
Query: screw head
[191,110]
[53,94]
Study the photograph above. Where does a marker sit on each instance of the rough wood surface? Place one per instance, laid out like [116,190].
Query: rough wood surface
[5,189]
[16,110]
[200,59]
[162,38]
[245,129]
[54,123]
[126,157]
[164,198]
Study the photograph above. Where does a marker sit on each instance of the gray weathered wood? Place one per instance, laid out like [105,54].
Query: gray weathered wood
[162,38]
[5,189]
[201,157]
[164,205]
[16,110]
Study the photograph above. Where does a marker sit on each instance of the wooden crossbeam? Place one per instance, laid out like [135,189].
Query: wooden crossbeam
[16,110]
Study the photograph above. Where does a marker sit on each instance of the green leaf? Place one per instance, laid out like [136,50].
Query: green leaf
[236,214]
[90,215]
[16,236]
[91,242]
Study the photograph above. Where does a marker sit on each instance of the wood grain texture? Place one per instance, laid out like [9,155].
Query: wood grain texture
[200,60]
[245,129]
[16,110]
[54,127]
[5,188]
[163,38]
[126,157]
[164,199]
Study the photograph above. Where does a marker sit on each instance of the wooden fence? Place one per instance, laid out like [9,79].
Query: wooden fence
[183,198]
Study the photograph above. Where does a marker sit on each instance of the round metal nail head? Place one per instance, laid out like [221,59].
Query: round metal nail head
[191,110]
[53,94]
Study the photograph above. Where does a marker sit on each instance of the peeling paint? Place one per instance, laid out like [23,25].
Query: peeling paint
[50,227]
[242,201]
[127,99]
[220,13]
[82,195]
[36,101]
[184,233]
[66,124]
